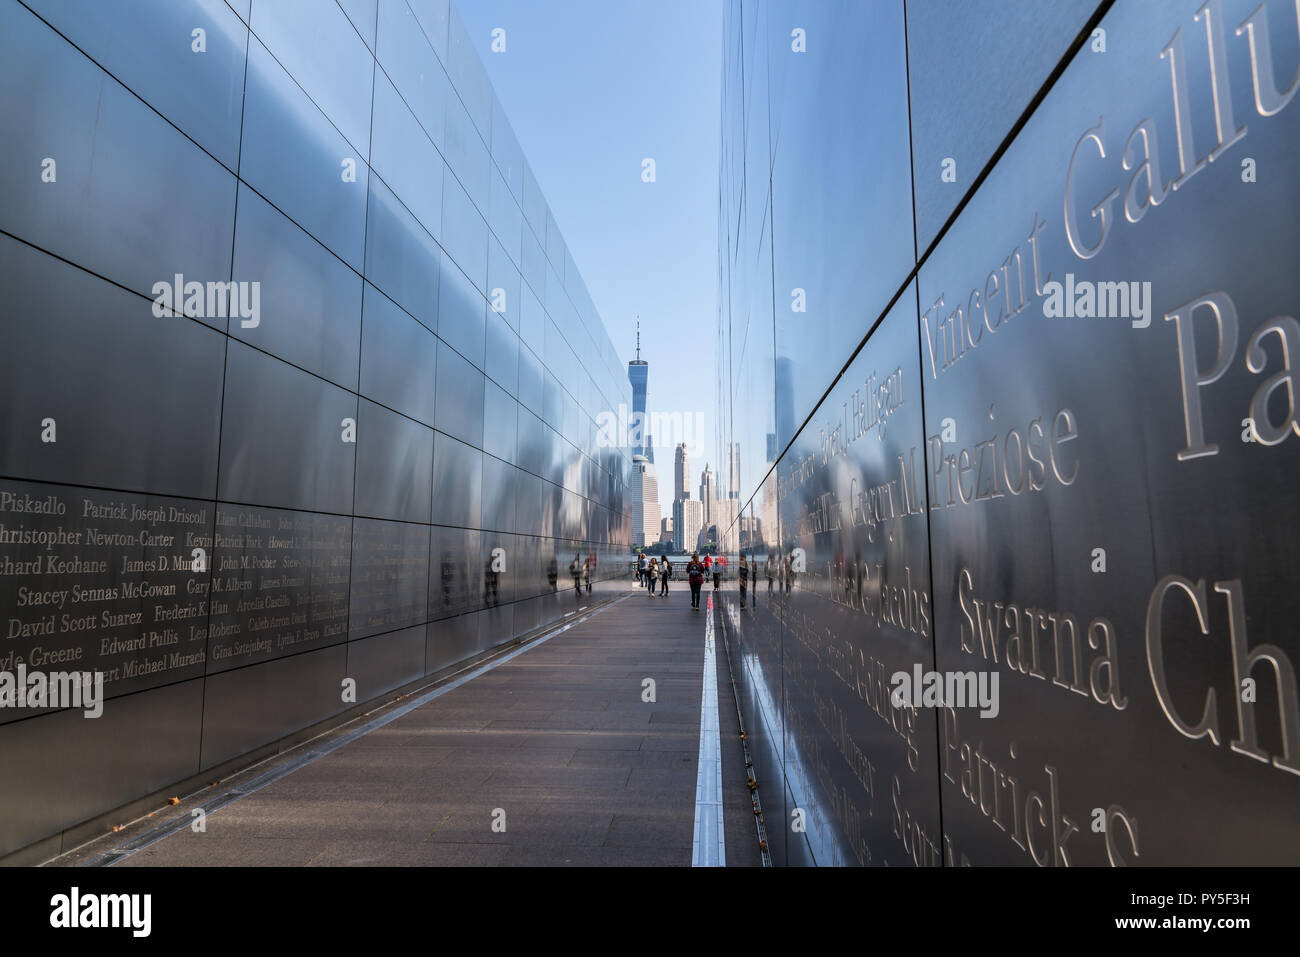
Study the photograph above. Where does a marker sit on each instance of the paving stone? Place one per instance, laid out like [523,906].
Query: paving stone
[559,738]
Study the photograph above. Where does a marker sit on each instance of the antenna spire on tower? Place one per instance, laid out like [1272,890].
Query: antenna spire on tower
[638,337]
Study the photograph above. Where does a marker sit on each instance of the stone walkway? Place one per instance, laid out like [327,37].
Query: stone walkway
[550,758]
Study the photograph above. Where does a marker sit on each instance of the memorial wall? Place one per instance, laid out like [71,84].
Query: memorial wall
[1016,412]
[299,386]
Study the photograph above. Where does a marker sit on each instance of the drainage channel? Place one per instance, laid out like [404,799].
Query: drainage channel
[757,804]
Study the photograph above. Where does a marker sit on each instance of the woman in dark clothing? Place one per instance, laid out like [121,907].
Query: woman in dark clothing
[695,573]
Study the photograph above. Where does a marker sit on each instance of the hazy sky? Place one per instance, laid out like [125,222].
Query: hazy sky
[592,88]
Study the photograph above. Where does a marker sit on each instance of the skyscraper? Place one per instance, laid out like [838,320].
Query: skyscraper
[645,502]
[688,518]
[733,470]
[708,493]
[638,373]
[682,474]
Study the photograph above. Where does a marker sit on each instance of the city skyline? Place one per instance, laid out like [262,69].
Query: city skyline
[659,99]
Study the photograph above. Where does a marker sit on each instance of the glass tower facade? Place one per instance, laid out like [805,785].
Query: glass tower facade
[298,381]
[638,374]
[1007,298]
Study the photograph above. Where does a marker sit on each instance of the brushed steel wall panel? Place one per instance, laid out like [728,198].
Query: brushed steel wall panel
[965,122]
[74,769]
[500,484]
[294,156]
[500,422]
[162,378]
[386,661]
[455,571]
[249,707]
[405,158]
[501,361]
[394,465]
[459,406]
[279,584]
[362,15]
[457,483]
[462,313]
[390,576]
[407,58]
[129,189]
[464,233]
[282,436]
[402,258]
[1114,661]
[201,91]
[853,513]
[399,358]
[317,45]
[101,582]
[450,640]
[310,301]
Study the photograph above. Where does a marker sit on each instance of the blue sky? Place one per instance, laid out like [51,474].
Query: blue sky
[593,87]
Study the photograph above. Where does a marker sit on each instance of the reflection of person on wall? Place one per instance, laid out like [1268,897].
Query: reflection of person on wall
[586,570]
[771,573]
[553,574]
[575,569]
[448,576]
[744,577]
[491,583]
[789,573]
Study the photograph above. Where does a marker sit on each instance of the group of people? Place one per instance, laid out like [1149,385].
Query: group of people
[776,568]
[659,571]
[580,569]
[652,572]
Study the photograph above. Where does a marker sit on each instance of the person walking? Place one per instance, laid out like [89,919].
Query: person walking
[653,575]
[717,574]
[695,575]
[665,573]
[641,565]
[744,577]
[771,573]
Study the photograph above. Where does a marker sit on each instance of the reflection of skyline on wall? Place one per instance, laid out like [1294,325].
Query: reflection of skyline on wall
[911,413]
